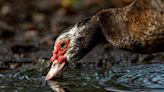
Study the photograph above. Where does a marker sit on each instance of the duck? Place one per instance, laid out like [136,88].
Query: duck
[137,27]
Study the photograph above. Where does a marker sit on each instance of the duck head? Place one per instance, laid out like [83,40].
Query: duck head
[73,44]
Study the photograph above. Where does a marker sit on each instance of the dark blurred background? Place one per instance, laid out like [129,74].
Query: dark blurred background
[28,28]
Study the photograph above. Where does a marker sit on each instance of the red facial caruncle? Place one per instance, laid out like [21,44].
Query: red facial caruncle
[61,48]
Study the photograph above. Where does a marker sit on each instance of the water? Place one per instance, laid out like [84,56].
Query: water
[141,78]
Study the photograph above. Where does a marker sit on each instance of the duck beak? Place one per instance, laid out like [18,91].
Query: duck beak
[56,67]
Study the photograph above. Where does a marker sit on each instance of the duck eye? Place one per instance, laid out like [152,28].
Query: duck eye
[63,45]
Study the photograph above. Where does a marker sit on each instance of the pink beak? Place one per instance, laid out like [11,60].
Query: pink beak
[56,67]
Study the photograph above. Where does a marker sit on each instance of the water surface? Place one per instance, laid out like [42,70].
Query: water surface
[146,78]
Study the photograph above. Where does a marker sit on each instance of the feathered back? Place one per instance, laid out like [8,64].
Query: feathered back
[137,27]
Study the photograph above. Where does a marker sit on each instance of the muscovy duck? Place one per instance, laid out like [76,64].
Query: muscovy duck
[138,27]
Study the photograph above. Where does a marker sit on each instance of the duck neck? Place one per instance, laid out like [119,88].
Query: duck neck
[87,36]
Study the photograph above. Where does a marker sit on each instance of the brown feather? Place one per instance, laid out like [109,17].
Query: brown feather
[137,27]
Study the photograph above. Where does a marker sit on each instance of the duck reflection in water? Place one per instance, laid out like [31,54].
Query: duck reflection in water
[57,87]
